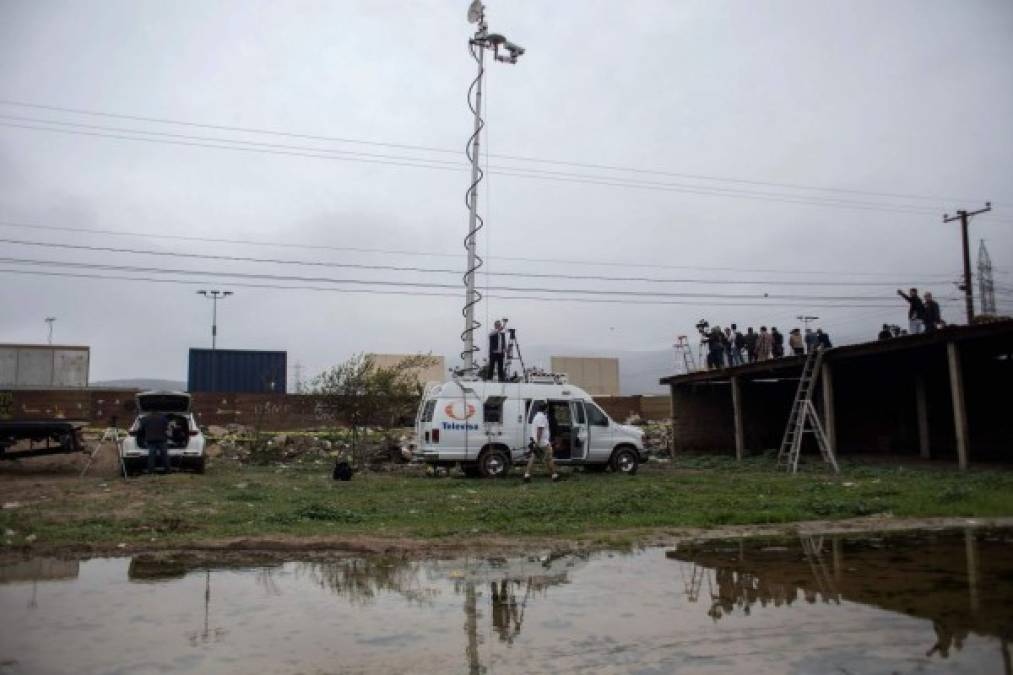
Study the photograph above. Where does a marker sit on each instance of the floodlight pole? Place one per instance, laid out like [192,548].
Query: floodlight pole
[481,41]
[805,319]
[214,296]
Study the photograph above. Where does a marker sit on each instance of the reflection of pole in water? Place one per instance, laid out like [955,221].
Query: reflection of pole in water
[471,628]
[971,546]
[205,635]
[835,547]
[34,602]
[207,602]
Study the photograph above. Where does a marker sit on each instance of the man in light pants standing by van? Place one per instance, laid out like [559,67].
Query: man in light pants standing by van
[540,444]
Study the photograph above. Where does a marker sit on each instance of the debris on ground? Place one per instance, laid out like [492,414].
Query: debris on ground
[658,439]
[245,445]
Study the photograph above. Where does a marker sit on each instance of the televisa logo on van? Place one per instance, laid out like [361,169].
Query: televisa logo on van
[459,411]
[457,426]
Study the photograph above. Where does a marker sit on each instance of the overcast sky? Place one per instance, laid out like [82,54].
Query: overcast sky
[909,99]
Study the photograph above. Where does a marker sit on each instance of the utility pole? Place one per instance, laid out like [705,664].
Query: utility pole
[481,41]
[50,320]
[964,217]
[214,296]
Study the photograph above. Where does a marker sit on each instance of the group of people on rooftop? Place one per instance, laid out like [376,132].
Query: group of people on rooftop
[730,347]
[923,316]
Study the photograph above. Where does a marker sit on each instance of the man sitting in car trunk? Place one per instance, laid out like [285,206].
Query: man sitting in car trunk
[154,429]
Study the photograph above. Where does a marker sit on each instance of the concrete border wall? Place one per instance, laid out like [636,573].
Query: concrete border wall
[274,412]
[44,366]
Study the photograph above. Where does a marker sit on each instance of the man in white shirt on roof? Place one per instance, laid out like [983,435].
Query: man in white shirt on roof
[541,443]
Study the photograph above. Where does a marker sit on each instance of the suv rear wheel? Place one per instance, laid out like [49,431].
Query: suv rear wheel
[493,463]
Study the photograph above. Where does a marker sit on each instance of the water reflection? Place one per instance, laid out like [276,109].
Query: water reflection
[511,584]
[938,602]
[361,580]
[960,581]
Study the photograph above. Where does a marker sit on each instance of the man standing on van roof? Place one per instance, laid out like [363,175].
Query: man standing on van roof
[540,444]
[497,350]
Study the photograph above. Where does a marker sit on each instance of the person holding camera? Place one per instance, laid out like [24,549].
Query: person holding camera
[497,350]
[540,444]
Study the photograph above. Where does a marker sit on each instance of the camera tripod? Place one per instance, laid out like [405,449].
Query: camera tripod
[112,437]
[513,346]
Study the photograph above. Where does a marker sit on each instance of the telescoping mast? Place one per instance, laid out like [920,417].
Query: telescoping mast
[503,51]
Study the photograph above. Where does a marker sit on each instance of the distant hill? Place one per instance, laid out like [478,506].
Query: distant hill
[141,383]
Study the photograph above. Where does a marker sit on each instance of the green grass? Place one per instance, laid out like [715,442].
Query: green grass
[301,500]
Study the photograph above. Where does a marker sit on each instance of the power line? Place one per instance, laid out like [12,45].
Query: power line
[698,303]
[432,270]
[416,284]
[443,165]
[519,158]
[353,249]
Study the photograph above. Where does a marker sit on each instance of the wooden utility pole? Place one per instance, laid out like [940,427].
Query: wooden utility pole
[964,217]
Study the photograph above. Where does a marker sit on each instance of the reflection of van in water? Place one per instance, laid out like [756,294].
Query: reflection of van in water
[485,427]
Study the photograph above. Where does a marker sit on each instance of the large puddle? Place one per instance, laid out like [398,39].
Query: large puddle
[939,602]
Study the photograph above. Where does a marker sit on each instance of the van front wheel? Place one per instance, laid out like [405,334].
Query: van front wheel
[625,461]
[493,463]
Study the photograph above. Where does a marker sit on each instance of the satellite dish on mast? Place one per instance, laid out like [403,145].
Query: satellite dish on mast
[475,11]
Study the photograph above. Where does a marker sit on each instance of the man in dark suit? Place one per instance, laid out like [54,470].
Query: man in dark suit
[497,350]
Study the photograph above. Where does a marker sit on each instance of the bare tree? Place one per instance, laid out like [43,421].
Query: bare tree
[363,394]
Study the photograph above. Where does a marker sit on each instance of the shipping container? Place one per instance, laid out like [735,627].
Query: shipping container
[44,366]
[237,371]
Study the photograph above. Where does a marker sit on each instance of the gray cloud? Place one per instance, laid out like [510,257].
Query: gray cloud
[908,98]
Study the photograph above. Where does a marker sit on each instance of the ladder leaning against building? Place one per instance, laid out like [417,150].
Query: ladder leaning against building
[804,419]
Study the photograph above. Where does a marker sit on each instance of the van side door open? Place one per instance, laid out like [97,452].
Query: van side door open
[599,430]
[578,431]
[529,416]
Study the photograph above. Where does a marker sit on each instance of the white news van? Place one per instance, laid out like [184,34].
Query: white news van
[485,428]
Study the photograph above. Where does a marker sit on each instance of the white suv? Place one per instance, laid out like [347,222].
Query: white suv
[186,442]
